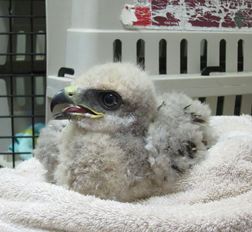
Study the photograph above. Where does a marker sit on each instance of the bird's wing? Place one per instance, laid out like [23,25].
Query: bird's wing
[179,135]
[47,148]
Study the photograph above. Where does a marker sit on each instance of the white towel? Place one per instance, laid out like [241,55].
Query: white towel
[215,196]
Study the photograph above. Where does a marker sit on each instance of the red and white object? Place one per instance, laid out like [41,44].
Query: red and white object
[191,14]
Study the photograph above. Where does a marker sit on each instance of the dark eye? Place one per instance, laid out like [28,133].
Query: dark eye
[110,100]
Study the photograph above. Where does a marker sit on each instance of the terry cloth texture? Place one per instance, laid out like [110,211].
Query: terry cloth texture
[215,196]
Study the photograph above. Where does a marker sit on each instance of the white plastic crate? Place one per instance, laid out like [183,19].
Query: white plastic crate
[82,34]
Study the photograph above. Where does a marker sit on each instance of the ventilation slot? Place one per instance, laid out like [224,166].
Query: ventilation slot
[183,56]
[240,68]
[141,53]
[21,46]
[237,109]
[240,56]
[117,51]
[39,89]
[220,100]
[162,56]
[203,61]
[40,45]
[203,54]
[223,54]
[20,90]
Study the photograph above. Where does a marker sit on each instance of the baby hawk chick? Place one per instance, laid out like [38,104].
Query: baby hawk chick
[121,141]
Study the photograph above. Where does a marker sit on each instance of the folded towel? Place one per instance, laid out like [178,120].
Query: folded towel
[215,196]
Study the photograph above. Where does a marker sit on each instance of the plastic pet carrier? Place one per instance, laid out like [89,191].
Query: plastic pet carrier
[201,48]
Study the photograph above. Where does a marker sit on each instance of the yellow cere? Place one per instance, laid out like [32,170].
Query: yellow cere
[70,89]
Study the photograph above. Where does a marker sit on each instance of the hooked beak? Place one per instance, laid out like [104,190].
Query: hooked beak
[73,110]
[60,98]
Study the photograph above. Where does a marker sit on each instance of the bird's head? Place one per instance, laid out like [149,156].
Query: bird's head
[111,97]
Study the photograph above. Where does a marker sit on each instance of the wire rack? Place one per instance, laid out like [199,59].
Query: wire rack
[22,76]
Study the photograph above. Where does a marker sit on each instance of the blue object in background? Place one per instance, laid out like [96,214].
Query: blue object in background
[25,144]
